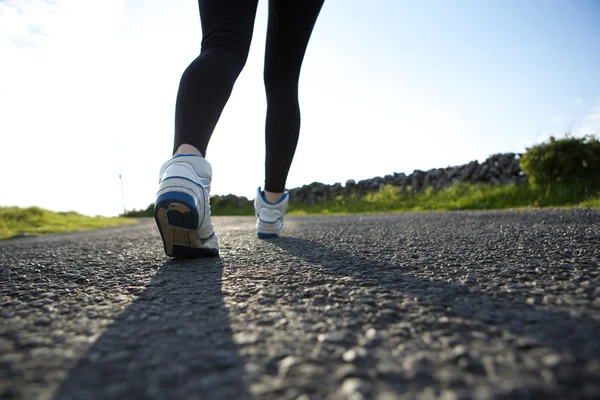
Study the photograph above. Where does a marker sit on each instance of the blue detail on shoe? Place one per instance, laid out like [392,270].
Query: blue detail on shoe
[194,252]
[267,235]
[262,195]
[269,222]
[205,239]
[186,155]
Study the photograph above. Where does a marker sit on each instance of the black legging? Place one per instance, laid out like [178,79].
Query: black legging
[207,82]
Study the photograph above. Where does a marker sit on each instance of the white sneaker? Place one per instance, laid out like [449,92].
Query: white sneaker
[182,208]
[269,217]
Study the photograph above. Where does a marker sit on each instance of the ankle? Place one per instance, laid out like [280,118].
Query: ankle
[187,149]
[273,197]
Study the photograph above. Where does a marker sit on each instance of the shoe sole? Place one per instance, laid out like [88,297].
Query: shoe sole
[177,219]
[261,235]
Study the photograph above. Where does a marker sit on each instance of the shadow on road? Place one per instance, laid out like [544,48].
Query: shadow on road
[535,326]
[174,341]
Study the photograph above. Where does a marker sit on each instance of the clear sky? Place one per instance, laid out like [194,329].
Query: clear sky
[87,89]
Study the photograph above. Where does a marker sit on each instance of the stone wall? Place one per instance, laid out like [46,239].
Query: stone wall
[497,170]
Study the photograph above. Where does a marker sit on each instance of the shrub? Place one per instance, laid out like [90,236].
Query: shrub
[568,161]
[148,212]
[231,205]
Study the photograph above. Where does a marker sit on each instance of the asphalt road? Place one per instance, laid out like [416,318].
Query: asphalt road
[482,305]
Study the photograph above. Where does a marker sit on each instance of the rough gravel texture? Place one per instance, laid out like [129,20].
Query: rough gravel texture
[465,305]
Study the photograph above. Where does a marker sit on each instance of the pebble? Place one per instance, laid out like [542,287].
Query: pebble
[350,386]
[333,337]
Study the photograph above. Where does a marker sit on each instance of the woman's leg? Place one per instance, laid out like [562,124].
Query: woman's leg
[182,206]
[207,82]
[290,26]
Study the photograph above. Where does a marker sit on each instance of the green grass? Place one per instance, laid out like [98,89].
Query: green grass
[459,197]
[591,203]
[35,220]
